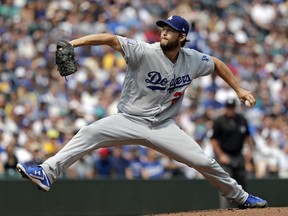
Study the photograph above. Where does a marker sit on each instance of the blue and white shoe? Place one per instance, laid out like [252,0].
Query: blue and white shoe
[36,174]
[253,202]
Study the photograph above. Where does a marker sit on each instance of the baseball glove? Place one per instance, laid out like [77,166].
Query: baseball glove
[65,58]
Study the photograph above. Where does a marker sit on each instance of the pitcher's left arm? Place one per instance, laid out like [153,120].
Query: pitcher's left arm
[226,74]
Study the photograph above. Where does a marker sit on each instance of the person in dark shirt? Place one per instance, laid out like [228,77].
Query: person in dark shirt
[119,162]
[12,160]
[103,164]
[230,133]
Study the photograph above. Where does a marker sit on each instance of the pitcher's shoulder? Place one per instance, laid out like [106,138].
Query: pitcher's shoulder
[192,53]
[189,51]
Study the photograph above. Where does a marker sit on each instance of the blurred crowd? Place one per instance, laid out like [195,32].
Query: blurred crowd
[40,111]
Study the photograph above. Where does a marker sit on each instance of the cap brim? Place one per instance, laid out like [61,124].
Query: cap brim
[162,23]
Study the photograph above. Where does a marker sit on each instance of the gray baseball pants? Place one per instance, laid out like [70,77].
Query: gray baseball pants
[167,138]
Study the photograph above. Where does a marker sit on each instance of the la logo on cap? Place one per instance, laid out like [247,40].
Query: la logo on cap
[170,18]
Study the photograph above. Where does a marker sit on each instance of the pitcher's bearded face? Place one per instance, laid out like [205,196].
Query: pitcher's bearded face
[169,39]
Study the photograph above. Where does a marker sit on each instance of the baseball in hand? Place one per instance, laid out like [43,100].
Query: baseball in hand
[247,104]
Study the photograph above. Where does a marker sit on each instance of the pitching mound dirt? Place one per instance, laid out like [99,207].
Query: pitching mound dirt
[235,212]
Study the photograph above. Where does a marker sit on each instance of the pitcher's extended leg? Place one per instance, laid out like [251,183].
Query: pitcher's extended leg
[172,141]
[110,131]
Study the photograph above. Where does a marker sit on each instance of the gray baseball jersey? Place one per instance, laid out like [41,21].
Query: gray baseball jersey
[154,87]
[152,94]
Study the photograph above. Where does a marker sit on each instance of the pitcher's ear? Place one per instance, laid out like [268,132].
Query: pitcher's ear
[183,37]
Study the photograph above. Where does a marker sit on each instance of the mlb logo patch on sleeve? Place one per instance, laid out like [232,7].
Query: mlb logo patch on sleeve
[205,58]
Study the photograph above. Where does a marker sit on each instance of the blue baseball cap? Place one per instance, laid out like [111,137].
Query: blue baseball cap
[176,22]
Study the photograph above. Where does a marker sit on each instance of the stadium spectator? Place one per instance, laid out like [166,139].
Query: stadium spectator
[103,163]
[133,171]
[119,162]
[151,166]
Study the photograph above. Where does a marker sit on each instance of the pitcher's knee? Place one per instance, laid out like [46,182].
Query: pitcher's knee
[202,163]
[207,162]
[85,130]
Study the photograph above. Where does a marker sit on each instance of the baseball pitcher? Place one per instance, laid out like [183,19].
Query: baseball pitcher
[156,78]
